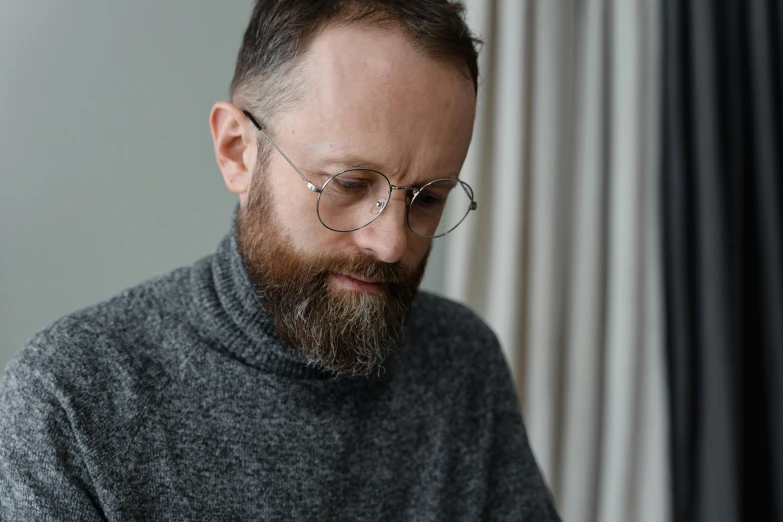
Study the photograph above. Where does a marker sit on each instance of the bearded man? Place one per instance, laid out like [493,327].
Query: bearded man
[297,373]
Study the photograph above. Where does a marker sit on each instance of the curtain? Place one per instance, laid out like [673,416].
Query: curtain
[722,129]
[563,255]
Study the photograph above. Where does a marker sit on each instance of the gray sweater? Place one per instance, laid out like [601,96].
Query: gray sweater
[175,400]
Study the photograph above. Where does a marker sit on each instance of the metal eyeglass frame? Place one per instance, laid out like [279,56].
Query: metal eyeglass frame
[411,192]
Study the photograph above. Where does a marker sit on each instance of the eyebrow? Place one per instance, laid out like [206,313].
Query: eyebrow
[338,164]
[333,165]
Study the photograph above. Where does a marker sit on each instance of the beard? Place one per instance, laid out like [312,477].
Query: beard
[347,332]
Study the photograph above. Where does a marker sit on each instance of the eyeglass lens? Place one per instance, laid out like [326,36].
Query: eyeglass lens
[354,198]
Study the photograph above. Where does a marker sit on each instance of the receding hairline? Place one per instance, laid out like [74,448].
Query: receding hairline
[284,75]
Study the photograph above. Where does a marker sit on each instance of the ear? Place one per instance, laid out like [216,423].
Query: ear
[236,146]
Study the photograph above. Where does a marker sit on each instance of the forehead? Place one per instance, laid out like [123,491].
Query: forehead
[370,90]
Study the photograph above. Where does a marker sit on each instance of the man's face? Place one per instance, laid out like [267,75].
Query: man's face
[371,99]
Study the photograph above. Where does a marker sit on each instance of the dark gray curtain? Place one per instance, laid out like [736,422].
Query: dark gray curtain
[723,208]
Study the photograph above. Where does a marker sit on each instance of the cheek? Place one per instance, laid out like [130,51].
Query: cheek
[294,206]
[301,222]
[417,250]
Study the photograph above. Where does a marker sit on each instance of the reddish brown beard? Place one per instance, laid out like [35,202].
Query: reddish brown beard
[342,331]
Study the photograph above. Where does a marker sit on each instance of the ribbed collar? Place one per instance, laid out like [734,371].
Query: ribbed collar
[229,315]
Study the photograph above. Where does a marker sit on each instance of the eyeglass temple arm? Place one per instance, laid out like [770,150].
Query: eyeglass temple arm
[262,131]
[473,203]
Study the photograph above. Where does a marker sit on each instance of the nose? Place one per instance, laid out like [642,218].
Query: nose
[386,238]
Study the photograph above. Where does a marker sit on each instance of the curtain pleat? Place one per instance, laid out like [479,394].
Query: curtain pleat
[633,326]
[586,308]
[722,200]
[563,258]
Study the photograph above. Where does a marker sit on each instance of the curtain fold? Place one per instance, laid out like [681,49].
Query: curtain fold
[563,258]
[723,237]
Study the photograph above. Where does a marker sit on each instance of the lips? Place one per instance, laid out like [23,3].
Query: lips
[358,283]
[363,279]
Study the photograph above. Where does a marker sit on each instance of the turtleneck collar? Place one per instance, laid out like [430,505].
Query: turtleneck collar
[229,315]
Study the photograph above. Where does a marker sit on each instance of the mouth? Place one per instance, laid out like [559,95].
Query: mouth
[357,283]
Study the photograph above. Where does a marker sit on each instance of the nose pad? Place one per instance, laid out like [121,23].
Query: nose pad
[378,207]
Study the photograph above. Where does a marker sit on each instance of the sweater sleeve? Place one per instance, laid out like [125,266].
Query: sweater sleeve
[517,490]
[42,476]
[510,459]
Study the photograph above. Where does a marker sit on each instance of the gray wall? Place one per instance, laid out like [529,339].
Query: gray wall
[107,175]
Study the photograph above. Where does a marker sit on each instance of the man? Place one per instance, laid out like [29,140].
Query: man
[295,374]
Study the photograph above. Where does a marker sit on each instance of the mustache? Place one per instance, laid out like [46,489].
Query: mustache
[364,267]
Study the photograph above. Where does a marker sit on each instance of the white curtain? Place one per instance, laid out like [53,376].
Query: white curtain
[563,257]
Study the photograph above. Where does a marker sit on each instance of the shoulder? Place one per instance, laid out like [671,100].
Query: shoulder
[456,354]
[440,319]
[102,364]
[128,320]
[452,337]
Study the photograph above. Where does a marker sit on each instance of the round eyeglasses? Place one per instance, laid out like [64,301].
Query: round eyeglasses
[354,198]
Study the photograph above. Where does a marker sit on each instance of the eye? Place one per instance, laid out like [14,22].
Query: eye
[429,200]
[354,186]
[346,183]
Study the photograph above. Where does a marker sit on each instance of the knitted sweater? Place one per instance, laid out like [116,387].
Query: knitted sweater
[175,400]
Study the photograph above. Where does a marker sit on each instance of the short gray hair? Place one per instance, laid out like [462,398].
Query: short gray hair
[281,31]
